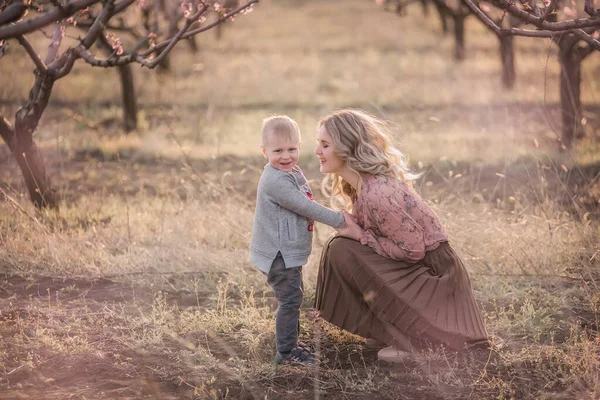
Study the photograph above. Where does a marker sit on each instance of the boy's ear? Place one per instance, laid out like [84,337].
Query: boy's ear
[299,144]
[264,151]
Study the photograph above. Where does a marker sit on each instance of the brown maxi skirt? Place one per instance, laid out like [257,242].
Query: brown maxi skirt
[411,306]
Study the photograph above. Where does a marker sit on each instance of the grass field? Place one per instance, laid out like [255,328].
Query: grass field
[141,286]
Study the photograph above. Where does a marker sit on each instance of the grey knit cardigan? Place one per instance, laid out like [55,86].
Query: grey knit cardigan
[281,219]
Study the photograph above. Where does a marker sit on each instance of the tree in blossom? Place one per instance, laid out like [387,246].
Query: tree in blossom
[102,22]
[573,27]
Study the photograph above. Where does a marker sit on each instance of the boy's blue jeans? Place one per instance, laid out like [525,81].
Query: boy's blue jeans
[289,290]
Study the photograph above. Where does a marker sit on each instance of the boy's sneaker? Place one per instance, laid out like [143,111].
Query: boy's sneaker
[299,355]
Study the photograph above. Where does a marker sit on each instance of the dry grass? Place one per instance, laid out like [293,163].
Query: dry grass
[141,286]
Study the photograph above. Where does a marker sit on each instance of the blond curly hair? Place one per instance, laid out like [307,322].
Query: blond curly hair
[365,143]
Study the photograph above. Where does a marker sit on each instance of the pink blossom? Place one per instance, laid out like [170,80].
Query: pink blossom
[217,6]
[115,43]
[187,9]
[485,6]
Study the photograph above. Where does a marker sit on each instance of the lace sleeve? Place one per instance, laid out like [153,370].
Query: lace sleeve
[393,232]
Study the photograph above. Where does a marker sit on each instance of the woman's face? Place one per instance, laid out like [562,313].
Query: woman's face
[330,162]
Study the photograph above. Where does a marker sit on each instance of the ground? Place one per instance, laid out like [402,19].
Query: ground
[141,287]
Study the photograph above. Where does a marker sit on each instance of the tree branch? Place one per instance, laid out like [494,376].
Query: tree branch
[487,21]
[64,64]
[86,56]
[57,14]
[98,25]
[483,17]
[55,44]
[32,54]
[541,23]
[193,32]
[188,22]
[593,44]
[122,28]
[141,58]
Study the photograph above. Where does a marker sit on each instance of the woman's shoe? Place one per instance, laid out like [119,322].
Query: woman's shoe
[393,355]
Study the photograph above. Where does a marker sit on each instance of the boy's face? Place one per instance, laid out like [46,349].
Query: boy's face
[281,152]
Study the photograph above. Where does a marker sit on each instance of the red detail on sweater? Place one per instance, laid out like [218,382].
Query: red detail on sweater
[311,224]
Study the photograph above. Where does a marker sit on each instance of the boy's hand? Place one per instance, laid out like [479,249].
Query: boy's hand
[351,230]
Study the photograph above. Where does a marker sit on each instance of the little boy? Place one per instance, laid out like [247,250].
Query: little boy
[282,231]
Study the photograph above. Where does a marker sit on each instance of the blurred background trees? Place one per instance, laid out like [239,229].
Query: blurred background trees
[154,28]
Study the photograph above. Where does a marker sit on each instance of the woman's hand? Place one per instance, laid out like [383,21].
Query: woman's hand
[351,230]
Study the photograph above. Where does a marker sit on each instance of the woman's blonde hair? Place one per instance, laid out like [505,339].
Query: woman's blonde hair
[365,143]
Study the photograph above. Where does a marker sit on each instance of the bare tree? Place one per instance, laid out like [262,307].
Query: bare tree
[160,18]
[148,52]
[576,37]
[447,9]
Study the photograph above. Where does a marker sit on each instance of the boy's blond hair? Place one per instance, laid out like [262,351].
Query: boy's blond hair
[280,125]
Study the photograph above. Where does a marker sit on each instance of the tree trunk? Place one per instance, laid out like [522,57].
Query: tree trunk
[570,93]
[165,64]
[129,103]
[459,37]
[21,144]
[31,164]
[219,31]
[442,14]
[128,98]
[507,55]
[170,16]
[193,45]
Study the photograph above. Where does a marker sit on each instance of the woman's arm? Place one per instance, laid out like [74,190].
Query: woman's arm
[352,230]
[393,233]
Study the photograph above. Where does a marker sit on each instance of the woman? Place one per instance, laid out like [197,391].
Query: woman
[390,275]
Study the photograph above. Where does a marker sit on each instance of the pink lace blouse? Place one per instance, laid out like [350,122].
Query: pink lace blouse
[397,222]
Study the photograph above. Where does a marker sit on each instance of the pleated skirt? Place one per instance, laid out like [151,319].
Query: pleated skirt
[412,306]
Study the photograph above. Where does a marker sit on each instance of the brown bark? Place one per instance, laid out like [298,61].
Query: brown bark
[193,44]
[129,103]
[459,37]
[24,149]
[31,164]
[128,98]
[441,9]
[7,132]
[570,91]
[507,55]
